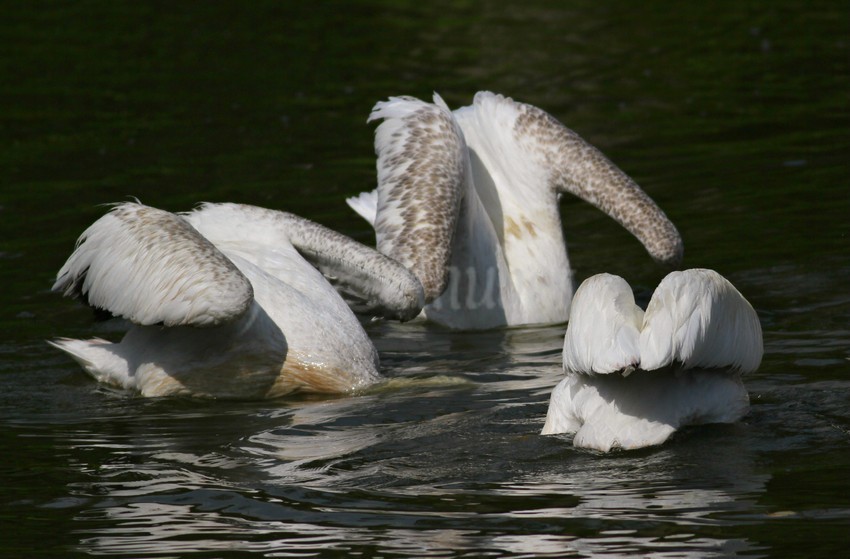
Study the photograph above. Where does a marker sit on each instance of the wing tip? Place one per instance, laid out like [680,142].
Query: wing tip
[365,205]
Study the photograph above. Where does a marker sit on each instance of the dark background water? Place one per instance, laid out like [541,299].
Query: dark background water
[734,116]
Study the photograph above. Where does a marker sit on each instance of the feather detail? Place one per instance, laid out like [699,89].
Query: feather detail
[150,267]
[377,283]
[604,328]
[686,352]
[421,167]
[697,319]
[366,205]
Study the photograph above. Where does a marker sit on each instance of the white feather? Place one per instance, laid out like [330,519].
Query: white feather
[698,319]
[681,360]
[295,333]
[505,258]
[604,329]
[605,412]
[382,285]
[150,267]
[365,204]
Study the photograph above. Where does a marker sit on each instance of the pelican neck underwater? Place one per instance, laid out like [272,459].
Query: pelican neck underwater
[468,201]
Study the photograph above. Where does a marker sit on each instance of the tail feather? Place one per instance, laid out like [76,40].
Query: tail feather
[98,358]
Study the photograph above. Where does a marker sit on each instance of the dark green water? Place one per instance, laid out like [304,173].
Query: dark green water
[734,116]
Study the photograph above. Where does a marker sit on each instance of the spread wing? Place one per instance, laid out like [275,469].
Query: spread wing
[531,145]
[151,267]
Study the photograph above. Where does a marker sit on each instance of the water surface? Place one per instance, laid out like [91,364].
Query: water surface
[733,116]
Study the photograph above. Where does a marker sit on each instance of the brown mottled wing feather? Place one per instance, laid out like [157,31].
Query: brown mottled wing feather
[369,281]
[570,164]
[422,163]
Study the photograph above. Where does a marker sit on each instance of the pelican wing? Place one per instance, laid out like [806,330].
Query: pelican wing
[372,282]
[531,139]
[695,320]
[365,204]
[698,319]
[604,328]
[150,267]
[422,163]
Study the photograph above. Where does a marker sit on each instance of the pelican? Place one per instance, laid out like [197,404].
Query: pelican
[633,377]
[468,201]
[227,301]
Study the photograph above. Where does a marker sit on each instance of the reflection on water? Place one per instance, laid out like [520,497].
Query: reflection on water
[580,516]
[442,459]
[402,468]
[142,527]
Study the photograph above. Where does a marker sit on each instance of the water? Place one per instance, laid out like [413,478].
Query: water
[734,116]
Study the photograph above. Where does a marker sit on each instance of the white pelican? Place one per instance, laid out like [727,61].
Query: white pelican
[634,378]
[468,200]
[225,303]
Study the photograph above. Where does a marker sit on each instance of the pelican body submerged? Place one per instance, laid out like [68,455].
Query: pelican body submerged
[633,378]
[234,301]
[468,201]
[228,301]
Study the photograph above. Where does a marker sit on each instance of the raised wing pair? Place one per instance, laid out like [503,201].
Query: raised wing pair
[468,200]
[633,378]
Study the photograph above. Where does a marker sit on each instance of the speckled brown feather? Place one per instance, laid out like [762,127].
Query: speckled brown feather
[421,158]
[577,167]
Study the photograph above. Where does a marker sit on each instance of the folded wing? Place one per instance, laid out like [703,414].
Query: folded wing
[372,282]
[685,356]
[604,328]
[697,319]
[422,163]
